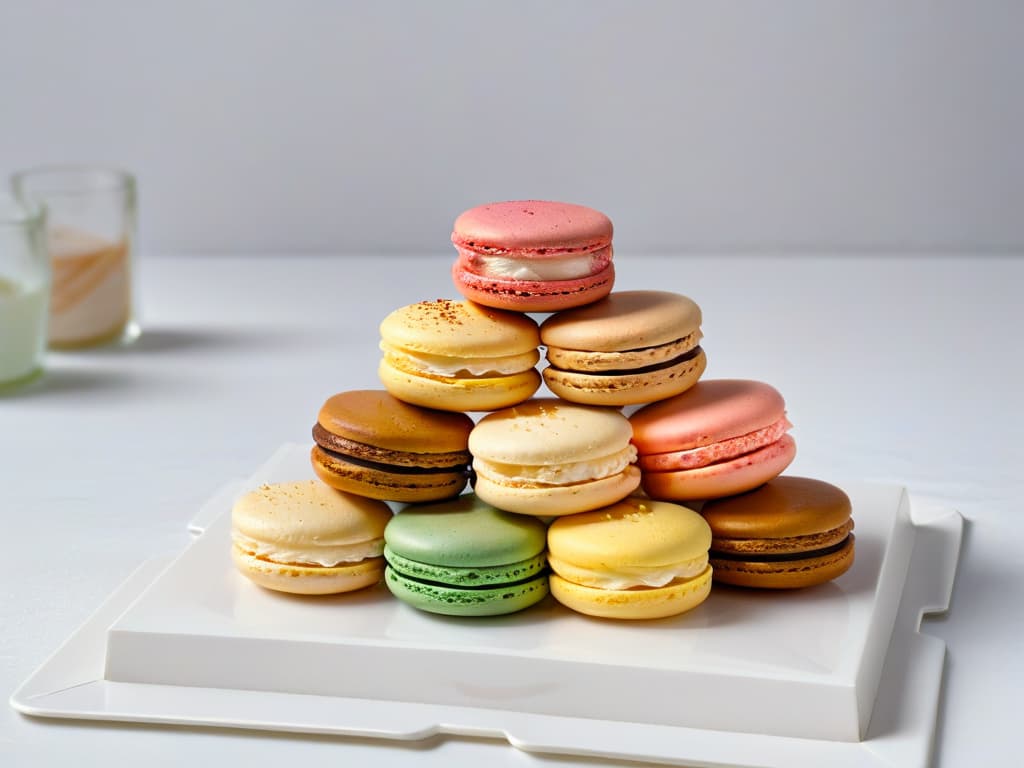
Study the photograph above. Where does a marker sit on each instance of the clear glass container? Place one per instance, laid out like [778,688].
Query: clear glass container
[24,292]
[91,227]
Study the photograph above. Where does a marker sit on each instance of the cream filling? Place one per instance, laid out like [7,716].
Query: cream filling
[313,555]
[556,474]
[628,577]
[451,367]
[547,268]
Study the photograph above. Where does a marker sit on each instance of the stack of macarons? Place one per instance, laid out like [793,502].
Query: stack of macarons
[626,541]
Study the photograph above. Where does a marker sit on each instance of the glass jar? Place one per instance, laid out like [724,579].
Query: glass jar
[24,292]
[91,224]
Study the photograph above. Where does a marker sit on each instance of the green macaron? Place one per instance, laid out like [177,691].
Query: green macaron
[464,557]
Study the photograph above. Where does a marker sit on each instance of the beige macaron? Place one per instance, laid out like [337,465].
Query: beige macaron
[629,348]
[547,457]
[459,356]
[307,538]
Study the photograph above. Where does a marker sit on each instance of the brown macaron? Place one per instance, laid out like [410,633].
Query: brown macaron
[790,532]
[370,443]
[631,347]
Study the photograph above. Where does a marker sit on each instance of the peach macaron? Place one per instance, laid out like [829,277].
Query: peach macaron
[307,538]
[718,438]
[533,255]
[629,348]
[548,458]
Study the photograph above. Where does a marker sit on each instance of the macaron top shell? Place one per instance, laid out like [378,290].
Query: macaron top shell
[377,418]
[306,511]
[464,532]
[623,321]
[546,431]
[459,329]
[710,411]
[635,532]
[781,508]
[535,228]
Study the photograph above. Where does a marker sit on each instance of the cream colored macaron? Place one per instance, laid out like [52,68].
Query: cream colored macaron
[459,356]
[307,538]
[631,347]
[547,457]
[636,559]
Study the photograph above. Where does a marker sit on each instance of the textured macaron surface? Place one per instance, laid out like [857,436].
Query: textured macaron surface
[785,507]
[306,523]
[308,512]
[710,411]
[535,228]
[464,533]
[475,601]
[634,532]
[548,431]
[624,320]
[449,328]
[377,418]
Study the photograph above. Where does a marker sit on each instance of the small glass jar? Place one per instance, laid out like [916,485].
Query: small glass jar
[24,292]
[91,221]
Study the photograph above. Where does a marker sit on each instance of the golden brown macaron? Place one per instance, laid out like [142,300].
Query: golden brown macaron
[629,348]
[790,532]
[370,443]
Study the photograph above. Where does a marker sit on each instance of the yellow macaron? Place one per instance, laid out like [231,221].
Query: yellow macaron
[307,538]
[636,559]
[459,356]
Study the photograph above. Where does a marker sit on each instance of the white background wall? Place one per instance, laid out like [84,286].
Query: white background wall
[350,126]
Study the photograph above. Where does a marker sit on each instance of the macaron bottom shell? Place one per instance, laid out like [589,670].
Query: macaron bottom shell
[533,295]
[302,579]
[558,500]
[466,601]
[791,573]
[379,483]
[455,394]
[626,387]
[633,604]
[725,478]
[452,576]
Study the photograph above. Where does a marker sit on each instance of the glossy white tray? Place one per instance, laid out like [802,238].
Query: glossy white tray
[748,678]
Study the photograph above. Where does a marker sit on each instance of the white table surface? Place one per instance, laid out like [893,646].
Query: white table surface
[905,369]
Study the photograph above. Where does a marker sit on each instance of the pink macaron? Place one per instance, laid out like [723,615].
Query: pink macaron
[533,255]
[719,438]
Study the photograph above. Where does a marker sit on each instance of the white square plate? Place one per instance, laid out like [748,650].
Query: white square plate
[837,673]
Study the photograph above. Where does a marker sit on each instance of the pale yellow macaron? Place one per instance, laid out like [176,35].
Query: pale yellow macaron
[547,457]
[636,559]
[459,356]
[307,538]
[631,347]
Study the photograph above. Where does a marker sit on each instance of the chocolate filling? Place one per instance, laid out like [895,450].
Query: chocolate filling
[394,468]
[782,557]
[646,369]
